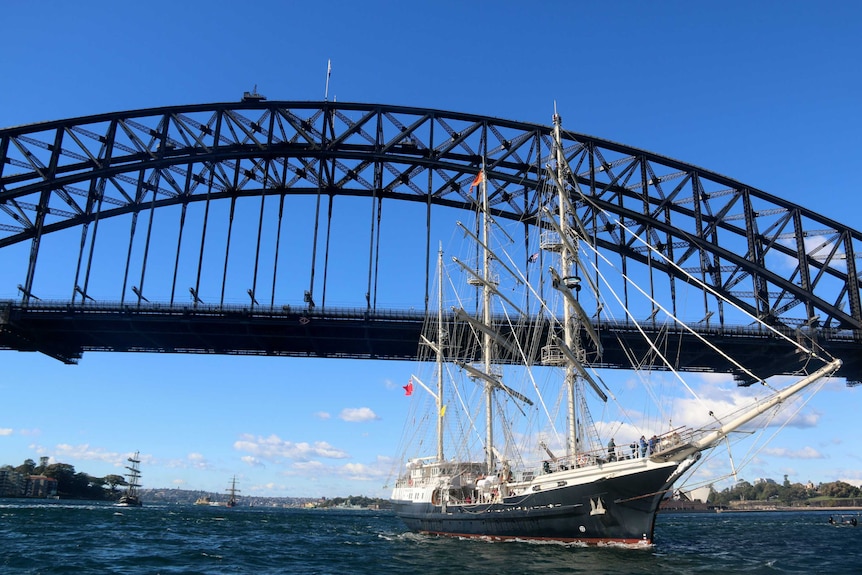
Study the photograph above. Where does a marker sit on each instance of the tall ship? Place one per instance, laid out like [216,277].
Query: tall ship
[507,447]
[232,491]
[131,498]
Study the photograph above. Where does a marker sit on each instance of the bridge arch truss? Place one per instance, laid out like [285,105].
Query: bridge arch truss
[777,260]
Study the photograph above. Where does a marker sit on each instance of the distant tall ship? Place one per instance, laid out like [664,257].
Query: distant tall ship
[131,498]
[518,454]
[232,491]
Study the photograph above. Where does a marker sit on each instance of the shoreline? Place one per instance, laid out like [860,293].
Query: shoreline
[763,509]
[806,508]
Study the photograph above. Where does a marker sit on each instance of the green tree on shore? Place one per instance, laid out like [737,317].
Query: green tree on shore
[72,484]
[112,481]
[787,494]
[27,468]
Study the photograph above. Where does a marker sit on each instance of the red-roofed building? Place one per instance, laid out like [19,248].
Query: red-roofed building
[41,486]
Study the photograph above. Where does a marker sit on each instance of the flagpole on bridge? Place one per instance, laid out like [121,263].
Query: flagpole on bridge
[328,73]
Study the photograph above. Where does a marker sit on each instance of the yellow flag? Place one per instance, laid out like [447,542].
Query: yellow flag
[442,411]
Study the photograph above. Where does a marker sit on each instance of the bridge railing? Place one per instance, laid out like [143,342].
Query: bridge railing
[394,314]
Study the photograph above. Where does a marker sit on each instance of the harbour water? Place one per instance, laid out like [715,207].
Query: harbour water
[85,538]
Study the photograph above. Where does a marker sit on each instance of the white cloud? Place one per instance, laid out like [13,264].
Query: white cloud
[724,401]
[322,415]
[5,431]
[309,466]
[711,379]
[358,414]
[377,470]
[273,448]
[267,488]
[818,247]
[252,461]
[65,452]
[85,452]
[361,472]
[185,463]
[855,481]
[804,453]
[198,461]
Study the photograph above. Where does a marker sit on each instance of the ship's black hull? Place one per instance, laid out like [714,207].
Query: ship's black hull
[618,509]
[129,501]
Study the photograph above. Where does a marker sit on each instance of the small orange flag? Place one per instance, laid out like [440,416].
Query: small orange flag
[478,180]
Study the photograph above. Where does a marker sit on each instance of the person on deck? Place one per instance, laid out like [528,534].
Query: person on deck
[643,446]
[612,450]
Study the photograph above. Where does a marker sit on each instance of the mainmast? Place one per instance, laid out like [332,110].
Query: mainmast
[134,475]
[570,320]
[232,490]
[440,335]
[487,340]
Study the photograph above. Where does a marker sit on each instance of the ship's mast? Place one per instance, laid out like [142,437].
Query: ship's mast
[134,475]
[487,341]
[232,491]
[440,335]
[570,327]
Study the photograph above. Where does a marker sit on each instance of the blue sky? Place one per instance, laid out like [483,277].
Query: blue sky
[767,93]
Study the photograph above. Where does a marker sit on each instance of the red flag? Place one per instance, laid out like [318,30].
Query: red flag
[478,180]
[408,389]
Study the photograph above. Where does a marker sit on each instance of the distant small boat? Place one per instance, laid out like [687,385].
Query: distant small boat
[232,491]
[203,500]
[844,521]
[131,498]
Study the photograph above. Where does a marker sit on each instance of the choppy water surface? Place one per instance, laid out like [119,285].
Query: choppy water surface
[98,539]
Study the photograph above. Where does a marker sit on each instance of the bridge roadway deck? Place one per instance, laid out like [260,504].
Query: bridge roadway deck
[65,332]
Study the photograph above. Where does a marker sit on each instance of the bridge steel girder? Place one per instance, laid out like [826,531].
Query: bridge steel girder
[775,259]
[65,332]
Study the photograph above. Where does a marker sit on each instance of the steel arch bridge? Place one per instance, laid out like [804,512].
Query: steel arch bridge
[69,179]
